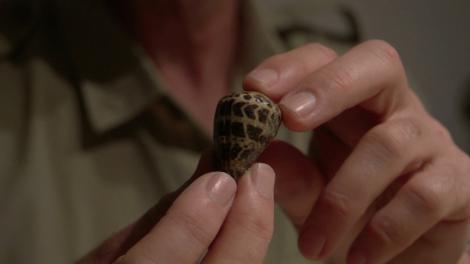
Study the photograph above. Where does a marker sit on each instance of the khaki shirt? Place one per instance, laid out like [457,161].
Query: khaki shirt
[80,157]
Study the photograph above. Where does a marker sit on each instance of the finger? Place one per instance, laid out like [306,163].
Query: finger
[279,74]
[328,151]
[426,199]
[351,125]
[465,258]
[190,224]
[298,181]
[370,75]
[122,241]
[387,151]
[248,228]
[152,216]
[448,248]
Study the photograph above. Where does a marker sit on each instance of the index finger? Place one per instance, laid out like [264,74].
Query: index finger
[190,224]
[249,225]
[370,75]
[277,75]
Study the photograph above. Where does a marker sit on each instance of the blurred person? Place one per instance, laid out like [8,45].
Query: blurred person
[107,106]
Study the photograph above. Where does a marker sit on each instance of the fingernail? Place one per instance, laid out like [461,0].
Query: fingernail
[310,244]
[221,188]
[265,77]
[301,103]
[263,178]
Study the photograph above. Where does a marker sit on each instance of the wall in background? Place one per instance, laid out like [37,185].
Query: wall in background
[433,38]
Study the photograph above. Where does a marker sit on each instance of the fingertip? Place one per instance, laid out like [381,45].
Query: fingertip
[191,222]
[220,187]
[263,77]
[271,91]
[311,247]
[217,187]
[298,111]
[249,226]
[263,178]
[293,122]
[300,103]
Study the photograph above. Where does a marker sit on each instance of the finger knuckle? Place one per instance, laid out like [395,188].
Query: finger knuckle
[384,144]
[441,132]
[383,51]
[329,82]
[394,139]
[336,80]
[193,226]
[425,198]
[389,230]
[450,168]
[406,130]
[453,183]
[338,203]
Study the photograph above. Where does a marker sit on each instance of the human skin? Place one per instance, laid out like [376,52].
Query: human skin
[396,186]
[193,45]
[384,181]
[186,225]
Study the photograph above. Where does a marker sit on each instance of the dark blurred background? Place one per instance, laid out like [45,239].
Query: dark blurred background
[433,38]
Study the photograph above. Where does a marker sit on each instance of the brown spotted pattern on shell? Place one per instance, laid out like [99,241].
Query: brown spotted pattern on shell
[244,125]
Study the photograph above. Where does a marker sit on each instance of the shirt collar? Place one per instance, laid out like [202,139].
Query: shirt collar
[114,84]
[116,79]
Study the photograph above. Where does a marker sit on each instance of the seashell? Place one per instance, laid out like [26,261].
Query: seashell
[244,125]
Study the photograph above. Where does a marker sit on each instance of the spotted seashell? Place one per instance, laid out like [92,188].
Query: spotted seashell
[244,125]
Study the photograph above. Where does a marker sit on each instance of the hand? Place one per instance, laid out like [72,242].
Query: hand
[397,189]
[209,220]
